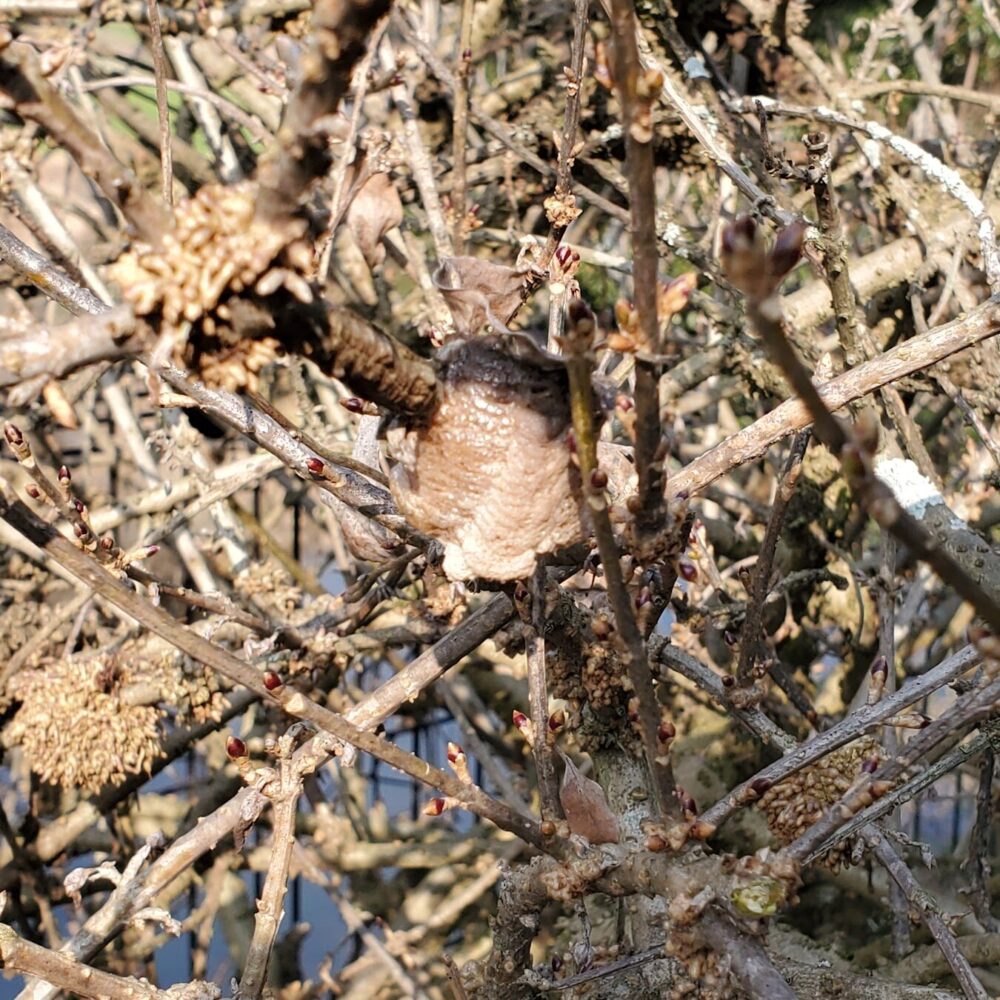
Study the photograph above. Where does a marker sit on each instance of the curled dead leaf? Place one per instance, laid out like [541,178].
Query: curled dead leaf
[586,807]
[479,291]
[374,211]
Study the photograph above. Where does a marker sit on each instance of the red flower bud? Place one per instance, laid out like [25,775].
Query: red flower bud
[689,571]
[315,465]
[787,249]
[271,680]
[236,748]
[353,404]
[599,479]
[434,808]
[33,491]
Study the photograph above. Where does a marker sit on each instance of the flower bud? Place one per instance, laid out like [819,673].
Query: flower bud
[787,249]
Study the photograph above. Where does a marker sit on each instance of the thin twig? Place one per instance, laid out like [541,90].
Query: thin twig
[270,906]
[579,363]
[856,724]
[979,839]
[28,959]
[919,899]
[967,712]
[943,175]
[419,159]
[925,778]
[162,109]
[886,599]
[198,94]
[460,125]
[856,340]
[875,496]
[237,671]
[43,274]
[538,699]
[340,32]
[750,636]
[633,89]
[34,97]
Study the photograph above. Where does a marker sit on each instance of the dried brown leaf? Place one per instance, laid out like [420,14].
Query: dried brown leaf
[586,807]
[374,211]
[479,291]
